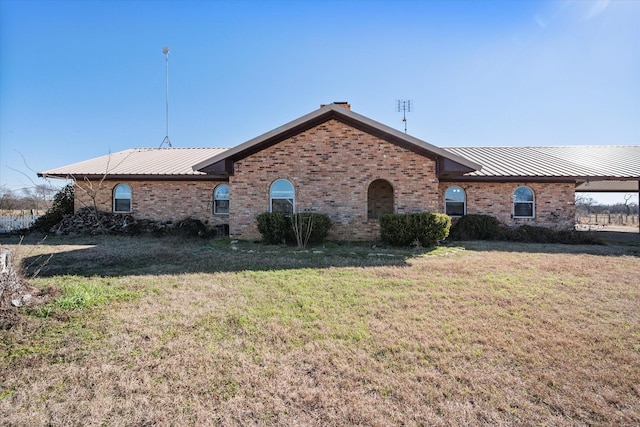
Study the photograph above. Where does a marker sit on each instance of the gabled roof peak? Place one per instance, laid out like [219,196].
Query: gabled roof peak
[338,111]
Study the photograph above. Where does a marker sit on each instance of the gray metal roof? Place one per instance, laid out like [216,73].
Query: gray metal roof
[621,162]
[139,162]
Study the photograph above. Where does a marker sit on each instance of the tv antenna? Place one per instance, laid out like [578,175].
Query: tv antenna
[404,105]
[166,139]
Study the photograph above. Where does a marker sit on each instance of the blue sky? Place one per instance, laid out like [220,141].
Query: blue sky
[80,79]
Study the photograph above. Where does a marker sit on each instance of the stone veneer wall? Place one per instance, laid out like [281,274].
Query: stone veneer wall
[554,202]
[158,200]
[331,167]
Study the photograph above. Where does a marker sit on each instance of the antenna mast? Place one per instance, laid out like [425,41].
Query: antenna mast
[166,139]
[404,106]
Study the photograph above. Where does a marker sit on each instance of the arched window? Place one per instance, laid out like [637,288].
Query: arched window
[523,203]
[122,198]
[221,199]
[379,199]
[282,197]
[455,203]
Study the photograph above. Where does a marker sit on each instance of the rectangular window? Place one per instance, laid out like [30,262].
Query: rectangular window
[122,205]
[221,207]
[523,203]
[455,208]
[523,210]
[284,206]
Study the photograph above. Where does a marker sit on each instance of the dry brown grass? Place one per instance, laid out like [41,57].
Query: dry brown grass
[494,334]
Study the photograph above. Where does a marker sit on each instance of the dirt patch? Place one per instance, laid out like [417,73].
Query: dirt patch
[28,298]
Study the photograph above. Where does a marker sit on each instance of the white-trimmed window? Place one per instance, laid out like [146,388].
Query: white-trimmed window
[282,197]
[524,203]
[455,201]
[122,199]
[221,199]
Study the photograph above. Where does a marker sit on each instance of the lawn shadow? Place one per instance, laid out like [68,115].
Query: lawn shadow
[609,248]
[112,256]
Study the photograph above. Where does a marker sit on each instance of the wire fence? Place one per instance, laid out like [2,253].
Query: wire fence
[608,219]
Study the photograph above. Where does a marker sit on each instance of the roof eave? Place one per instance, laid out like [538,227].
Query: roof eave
[135,177]
[539,178]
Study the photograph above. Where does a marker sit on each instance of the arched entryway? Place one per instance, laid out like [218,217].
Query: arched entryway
[379,199]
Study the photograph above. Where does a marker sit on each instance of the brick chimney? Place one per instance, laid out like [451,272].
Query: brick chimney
[340,103]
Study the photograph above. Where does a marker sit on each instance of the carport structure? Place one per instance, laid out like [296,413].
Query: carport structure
[594,169]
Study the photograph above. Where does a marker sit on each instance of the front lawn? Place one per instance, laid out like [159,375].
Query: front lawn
[190,332]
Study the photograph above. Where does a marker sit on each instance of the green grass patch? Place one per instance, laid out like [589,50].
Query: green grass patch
[79,293]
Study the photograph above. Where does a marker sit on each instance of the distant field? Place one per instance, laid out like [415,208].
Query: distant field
[164,331]
[606,219]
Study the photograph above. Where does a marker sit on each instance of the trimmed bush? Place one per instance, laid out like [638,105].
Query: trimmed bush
[487,227]
[404,229]
[529,234]
[536,234]
[477,227]
[395,230]
[274,228]
[277,228]
[62,205]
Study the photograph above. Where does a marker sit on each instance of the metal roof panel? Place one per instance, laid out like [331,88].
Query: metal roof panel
[566,161]
[140,162]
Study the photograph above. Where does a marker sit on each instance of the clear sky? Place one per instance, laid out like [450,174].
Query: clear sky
[81,79]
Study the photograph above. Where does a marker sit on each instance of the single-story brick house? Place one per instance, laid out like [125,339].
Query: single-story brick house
[354,169]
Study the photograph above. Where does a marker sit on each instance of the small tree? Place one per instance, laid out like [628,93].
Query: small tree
[61,206]
[302,228]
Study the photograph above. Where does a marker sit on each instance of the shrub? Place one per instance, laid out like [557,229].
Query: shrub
[274,227]
[61,206]
[277,228]
[573,237]
[395,230]
[309,228]
[404,229]
[477,227]
[536,234]
[487,227]
[529,234]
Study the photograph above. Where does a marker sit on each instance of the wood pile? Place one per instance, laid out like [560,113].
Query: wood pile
[92,222]
[16,293]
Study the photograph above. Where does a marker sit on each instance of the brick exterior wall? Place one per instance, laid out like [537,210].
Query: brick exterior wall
[554,202]
[331,167]
[157,200]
